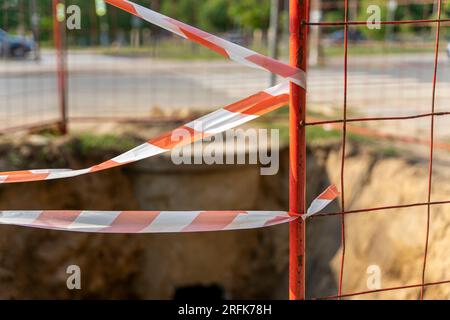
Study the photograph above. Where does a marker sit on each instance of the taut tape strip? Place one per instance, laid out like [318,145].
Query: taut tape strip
[225,48]
[213,123]
[156,221]
[144,221]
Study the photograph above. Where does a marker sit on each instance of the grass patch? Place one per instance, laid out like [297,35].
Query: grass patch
[389,151]
[315,133]
[14,159]
[87,143]
[168,49]
[360,138]
[376,49]
[174,52]
[178,49]
[319,133]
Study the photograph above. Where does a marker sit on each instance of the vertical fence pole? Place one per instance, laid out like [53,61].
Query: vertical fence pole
[61,69]
[274,35]
[35,28]
[299,13]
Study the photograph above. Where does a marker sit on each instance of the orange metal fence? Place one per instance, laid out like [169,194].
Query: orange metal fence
[343,123]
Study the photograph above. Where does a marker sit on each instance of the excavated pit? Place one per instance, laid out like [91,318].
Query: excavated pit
[235,264]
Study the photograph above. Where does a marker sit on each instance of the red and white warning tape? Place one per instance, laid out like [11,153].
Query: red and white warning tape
[213,123]
[322,201]
[144,221]
[216,122]
[225,48]
[157,221]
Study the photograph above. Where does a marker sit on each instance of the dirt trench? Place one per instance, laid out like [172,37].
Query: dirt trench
[236,264]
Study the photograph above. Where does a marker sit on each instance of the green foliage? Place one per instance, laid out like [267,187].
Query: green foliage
[413,11]
[389,151]
[86,143]
[251,14]
[373,34]
[184,10]
[211,15]
[214,16]
[445,10]
[314,133]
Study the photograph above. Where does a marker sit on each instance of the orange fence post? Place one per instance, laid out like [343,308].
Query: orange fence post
[61,69]
[299,16]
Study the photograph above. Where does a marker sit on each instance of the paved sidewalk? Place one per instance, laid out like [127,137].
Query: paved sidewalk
[99,85]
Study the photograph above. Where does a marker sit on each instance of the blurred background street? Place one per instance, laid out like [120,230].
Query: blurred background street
[102,85]
[119,67]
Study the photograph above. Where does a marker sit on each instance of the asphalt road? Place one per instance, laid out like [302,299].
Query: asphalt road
[120,86]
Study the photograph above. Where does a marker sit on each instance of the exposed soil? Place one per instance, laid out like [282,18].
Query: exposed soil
[244,264]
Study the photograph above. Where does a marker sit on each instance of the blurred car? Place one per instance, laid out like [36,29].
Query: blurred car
[337,37]
[14,46]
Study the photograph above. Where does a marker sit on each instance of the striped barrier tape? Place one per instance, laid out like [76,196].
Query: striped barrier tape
[144,221]
[157,221]
[321,201]
[225,48]
[213,123]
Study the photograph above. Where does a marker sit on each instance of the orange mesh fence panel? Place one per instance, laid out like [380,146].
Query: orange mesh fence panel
[374,126]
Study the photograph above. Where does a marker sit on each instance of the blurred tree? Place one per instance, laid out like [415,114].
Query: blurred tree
[373,34]
[334,15]
[446,10]
[406,13]
[184,10]
[250,14]
[213,15]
